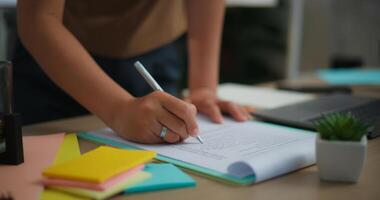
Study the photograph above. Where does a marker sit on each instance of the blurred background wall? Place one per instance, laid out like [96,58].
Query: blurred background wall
[341,29]
[335,33]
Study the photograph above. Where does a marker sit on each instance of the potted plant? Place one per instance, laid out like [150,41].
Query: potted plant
[340,147]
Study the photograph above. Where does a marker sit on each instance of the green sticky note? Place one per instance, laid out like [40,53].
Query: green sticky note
[164,176]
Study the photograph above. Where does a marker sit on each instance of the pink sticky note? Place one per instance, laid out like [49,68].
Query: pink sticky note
[24,181]
[89,185]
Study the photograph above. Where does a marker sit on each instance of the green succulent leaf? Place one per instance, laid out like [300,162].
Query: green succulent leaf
[341,126]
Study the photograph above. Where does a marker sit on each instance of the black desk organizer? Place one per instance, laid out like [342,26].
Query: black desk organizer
[11,149]
[12,138]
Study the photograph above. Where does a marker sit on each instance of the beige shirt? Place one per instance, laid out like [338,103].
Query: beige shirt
[125,28]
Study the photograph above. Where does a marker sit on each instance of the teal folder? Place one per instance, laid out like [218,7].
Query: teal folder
[350,76]
[194,168]
[164,176]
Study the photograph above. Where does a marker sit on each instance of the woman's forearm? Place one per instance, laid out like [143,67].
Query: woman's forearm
[66,61]
[205,22]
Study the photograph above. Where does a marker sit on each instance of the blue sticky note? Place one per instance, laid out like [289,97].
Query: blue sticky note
[164,176]
[350,76]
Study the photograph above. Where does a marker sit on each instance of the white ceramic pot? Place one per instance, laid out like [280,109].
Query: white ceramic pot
[340,160]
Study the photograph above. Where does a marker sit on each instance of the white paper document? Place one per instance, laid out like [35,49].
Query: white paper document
[260,97]
[239,149]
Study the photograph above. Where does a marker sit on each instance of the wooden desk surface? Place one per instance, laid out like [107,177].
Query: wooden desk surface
[303,184]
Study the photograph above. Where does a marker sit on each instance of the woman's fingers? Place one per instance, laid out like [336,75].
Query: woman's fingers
[183,110]
[152,138]
[234,110]
[213,111]
[249,109]
[145,135]
[246,112]
[175,124]
[169,136]
[141,119]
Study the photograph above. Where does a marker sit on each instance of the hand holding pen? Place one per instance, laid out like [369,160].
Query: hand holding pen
[143,119]
[155,86]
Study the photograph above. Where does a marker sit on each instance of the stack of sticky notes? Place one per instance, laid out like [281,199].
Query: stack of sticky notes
[100,173]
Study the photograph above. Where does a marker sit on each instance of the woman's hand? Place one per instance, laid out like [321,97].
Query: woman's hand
[141,119]
[208,103]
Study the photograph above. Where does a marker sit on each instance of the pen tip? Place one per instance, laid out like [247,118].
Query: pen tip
[200,139]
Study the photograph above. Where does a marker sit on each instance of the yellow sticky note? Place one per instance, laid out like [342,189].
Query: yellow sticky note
[131,180]
[69,149]
[99,165]
[50,194]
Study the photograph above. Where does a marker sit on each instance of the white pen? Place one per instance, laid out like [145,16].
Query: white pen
[150,80]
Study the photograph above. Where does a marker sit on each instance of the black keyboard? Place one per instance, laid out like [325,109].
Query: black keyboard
[368,113]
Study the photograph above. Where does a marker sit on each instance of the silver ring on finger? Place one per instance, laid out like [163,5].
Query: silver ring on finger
[163,132]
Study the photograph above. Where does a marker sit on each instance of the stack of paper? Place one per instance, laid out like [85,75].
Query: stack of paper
[260,97]
[100,173]
[256,97]
[238,152]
